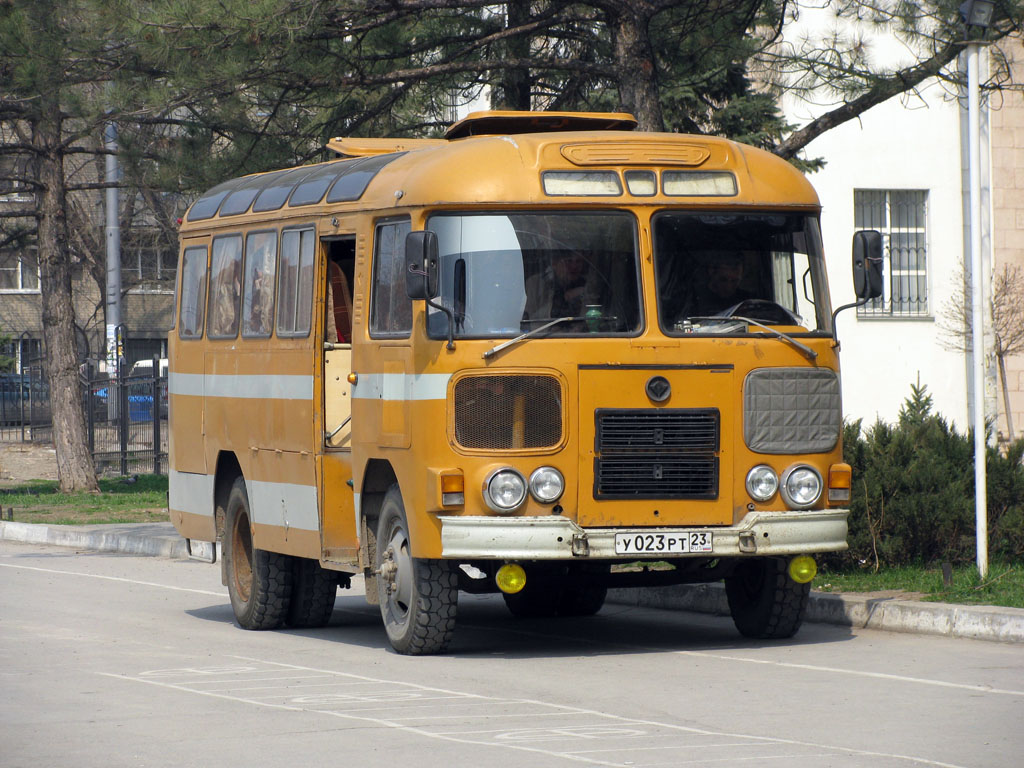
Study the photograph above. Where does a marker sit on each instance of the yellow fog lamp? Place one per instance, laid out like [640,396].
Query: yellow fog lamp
[802,569]
[511,578]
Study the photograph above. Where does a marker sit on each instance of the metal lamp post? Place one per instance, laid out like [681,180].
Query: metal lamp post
[977,16]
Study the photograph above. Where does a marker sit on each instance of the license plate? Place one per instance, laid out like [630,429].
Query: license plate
[663,543]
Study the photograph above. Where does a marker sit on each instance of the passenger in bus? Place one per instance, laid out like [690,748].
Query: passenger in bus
[259,319]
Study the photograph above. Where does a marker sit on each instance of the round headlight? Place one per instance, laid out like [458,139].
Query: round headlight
[505,490]
[801,486]
[546,485]
[762,483]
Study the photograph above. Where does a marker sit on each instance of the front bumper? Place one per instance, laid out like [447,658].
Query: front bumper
[557,538]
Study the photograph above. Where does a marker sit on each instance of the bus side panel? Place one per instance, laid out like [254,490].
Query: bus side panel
[259,408]
[340,538]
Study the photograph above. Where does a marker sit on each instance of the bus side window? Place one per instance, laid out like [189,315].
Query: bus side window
[225,287]
[193,293]
[258,296]
[391,307]
[295,283]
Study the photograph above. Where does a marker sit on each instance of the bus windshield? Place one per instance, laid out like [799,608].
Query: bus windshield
[502,274]
[713,270]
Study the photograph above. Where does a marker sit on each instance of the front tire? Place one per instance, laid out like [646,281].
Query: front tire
[418,598]
[764,601]
[259,582]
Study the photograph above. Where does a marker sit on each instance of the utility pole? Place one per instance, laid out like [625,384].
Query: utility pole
[977,15]
[113,238]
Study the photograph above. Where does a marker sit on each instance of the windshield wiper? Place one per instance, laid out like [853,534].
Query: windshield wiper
[523,336]
[809,353]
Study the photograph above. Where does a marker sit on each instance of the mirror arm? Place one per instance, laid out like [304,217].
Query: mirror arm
[451,322]
[835,329]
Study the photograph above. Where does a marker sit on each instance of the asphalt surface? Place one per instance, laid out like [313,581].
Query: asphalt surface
[977,622]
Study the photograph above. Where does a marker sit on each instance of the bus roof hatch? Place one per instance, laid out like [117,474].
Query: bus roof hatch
[501,123]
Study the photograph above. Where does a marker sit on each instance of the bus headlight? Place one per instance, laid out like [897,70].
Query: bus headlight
[504,490]
[801,486]
[762,482]
[546,485]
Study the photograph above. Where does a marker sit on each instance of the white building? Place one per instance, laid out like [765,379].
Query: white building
[901,168]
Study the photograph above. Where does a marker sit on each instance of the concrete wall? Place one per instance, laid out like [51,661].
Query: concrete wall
[1007,118]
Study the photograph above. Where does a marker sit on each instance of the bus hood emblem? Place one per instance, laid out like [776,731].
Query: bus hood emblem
[658,389]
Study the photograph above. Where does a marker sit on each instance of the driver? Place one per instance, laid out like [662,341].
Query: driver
[720,288]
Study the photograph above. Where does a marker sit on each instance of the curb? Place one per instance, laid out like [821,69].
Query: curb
[975,622]
[154,540]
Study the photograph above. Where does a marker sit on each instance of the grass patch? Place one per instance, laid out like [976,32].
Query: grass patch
[1004,584]
[119,501]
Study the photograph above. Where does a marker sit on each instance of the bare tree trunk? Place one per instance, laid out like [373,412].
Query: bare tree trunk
[75,469]
[514,88]
[634,60]
[1006,396]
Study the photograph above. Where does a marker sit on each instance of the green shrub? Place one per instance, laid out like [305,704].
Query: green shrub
[912,500]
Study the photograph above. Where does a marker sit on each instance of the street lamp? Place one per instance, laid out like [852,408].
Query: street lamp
[977,16]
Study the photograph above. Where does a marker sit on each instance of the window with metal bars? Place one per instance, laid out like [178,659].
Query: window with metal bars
[901,216]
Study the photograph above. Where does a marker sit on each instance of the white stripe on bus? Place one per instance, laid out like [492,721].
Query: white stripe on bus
[190,492]
[401,386]
[249,386]
[370,386]
[285,505]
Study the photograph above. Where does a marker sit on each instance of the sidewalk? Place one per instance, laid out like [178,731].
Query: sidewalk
[978,622]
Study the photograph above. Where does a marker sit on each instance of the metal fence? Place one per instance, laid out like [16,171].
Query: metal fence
[126,416]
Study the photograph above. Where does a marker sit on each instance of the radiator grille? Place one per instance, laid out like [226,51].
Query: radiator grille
[508,413]
[656,454]
[791,410]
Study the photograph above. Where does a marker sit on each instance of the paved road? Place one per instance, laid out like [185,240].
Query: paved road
[114,660]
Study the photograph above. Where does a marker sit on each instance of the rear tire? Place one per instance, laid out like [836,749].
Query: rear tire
[313,591]
[764,601]
[259,582]
[418,598]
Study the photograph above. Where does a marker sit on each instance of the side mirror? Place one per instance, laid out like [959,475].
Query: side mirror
[421,264]
[867,264]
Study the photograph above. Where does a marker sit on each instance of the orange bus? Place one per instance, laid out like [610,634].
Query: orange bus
[535,357]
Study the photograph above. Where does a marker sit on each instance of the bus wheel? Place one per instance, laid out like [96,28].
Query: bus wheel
[418,598]
[259,582]
[540,598]
[313,592]
[764,601]
[581,595]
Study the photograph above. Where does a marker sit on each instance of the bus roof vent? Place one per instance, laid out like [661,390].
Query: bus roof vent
[501,123]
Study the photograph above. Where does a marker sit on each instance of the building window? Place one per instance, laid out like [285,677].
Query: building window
[21,353]
[19,271]
[901,216]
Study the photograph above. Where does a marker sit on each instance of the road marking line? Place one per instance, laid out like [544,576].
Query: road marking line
[113,578]
[629,720]
[857,672]
[375,721]
[749,660]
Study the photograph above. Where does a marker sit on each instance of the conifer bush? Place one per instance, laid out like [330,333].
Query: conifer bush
[912,500]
